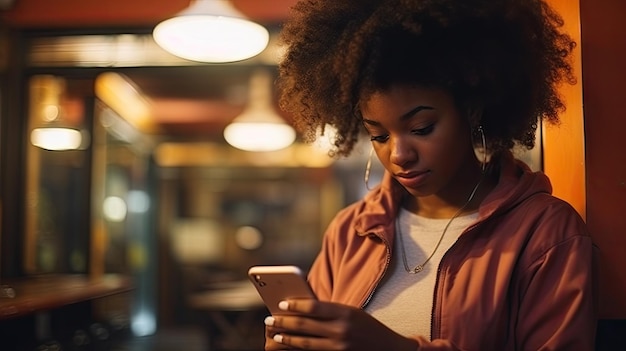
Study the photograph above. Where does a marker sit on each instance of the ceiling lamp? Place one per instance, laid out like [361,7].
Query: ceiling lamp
[259,127]
[56,139]
[52,128]
[211,31]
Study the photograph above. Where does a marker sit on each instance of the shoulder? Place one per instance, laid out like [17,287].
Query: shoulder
[548,226]
[344,222]
[524,198]
[549,210]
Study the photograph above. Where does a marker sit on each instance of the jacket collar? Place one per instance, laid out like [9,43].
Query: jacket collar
[516,183]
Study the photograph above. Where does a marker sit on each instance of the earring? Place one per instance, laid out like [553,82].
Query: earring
[368,168]
[483,150]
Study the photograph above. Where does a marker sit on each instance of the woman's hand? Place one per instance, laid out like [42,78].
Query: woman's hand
[321,325]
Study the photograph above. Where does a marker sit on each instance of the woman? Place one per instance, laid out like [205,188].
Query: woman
[455,249]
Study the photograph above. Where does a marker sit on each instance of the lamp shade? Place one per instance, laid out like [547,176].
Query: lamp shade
[56,138]
[56,120]
[211,31]
[259,127]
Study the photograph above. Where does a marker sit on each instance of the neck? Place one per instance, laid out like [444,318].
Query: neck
[467,199]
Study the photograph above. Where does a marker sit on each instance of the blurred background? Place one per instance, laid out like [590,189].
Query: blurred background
[140,180]
[139,213]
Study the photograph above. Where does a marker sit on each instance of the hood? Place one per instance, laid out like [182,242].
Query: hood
[516,183]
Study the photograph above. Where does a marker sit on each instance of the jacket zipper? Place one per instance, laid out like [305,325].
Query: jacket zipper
[435,328]
[435,308]
[380,276]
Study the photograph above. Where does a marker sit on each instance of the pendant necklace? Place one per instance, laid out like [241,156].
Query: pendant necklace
[420,267]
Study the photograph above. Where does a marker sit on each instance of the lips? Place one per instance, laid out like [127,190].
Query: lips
[412,179]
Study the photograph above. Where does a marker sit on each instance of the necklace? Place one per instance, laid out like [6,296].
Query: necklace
[420,267]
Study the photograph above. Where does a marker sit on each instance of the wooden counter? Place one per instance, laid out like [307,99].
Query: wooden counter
[46,292]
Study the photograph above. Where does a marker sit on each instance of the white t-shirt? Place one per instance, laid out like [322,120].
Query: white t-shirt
[403,301]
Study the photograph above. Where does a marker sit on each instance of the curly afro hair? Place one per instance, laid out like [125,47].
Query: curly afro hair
[502,61]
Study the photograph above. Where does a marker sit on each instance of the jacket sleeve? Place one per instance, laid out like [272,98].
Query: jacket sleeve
[320,275]
[323,270]
[558,307]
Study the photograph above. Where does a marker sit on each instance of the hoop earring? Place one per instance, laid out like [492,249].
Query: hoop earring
[368,168]
[483,150]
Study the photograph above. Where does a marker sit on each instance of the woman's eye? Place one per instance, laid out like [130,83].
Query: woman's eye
[379,138]
[424,131]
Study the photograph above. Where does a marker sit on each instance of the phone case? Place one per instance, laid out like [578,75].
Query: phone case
[277,283]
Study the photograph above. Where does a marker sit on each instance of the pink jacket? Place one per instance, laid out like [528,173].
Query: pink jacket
[520,278]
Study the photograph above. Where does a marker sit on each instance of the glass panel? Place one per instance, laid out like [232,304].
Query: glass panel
[57,176]
[123,230]
[120,194]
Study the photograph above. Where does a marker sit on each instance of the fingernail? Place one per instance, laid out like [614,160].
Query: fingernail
[278,338]
[269,321]
[283,305]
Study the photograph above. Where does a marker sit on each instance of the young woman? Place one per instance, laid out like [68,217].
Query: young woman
[455,249]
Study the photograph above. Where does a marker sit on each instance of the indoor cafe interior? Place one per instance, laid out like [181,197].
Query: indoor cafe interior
[137,185]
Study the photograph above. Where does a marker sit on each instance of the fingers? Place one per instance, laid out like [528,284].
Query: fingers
[307,306]
[271,327]
[270,343]
[309,325]
[308,342]
[303,326]
[315,308]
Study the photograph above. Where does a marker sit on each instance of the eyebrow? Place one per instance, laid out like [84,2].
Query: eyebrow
[404,116]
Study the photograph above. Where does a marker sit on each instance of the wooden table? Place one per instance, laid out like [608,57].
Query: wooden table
[46,292]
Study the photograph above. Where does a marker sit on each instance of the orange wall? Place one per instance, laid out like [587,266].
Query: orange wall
[604,76]
[585,157]
[564,148]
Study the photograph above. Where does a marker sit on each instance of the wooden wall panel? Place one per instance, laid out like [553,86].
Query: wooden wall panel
[604,75]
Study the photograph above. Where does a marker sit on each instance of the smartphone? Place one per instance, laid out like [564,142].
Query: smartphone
[277,283]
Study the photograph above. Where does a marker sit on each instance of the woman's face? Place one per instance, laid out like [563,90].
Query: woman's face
[422,139]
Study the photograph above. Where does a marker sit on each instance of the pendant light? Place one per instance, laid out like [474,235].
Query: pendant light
[56,139]
[50,130]
[259,127]
[211,31]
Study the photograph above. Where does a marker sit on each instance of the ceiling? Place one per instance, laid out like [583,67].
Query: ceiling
[195,102]
[188,101]
[121,13]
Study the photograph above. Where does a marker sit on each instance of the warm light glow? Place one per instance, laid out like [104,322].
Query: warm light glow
[206,154]
[121,95]
[259,127]
[198,241]
[259,136]
[326,141]
[50,113]
[211,31]
[249,238]
[114,209]
[56,139]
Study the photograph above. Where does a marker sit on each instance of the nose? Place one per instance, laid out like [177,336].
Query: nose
[402,151]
